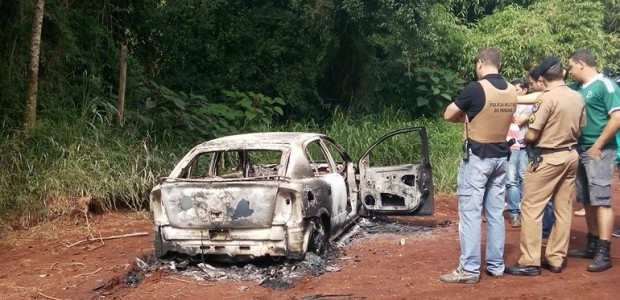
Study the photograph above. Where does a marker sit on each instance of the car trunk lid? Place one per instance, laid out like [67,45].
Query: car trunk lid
[220,205]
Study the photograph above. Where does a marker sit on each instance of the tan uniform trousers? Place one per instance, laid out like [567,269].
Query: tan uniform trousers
[553,180]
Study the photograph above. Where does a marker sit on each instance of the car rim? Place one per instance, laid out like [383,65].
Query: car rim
[319,238]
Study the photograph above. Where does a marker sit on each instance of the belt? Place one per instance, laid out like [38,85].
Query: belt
[544,151]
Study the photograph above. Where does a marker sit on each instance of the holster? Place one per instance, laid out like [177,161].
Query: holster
[509,143]
[533,152]
[465,150]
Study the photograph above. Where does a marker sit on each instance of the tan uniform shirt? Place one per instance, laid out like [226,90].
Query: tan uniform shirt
[558,116]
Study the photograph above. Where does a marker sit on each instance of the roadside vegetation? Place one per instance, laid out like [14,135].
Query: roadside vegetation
[45,174]
[196,70]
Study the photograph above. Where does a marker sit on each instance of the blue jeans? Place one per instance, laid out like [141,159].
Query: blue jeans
[548,219]
[515,173]
[481,186]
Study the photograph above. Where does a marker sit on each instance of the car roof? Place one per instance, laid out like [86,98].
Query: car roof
[260,139]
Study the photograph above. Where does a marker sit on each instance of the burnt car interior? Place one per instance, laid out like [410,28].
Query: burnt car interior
[321,165]
[319,161]
[247,163]
[234,164]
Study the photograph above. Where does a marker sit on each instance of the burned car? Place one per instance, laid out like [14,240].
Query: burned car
[282,194]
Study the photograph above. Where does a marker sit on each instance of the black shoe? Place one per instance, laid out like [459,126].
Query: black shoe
[581,253]
[588,251]
[553,269]
[520,270]
[602,259]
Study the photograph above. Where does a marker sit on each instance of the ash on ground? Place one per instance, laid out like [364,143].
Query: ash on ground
[282,274]
[377,225]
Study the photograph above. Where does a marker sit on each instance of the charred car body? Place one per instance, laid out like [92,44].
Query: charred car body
[281,194]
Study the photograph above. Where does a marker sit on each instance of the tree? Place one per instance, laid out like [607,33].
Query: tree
[33,69]
[526,35]
[122,83]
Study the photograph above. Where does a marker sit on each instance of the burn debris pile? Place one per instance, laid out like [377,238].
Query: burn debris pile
[279,275]
[276,274]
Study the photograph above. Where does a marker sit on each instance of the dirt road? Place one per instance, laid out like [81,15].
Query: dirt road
[42,263]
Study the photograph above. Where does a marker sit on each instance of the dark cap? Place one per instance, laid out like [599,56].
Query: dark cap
[544,66]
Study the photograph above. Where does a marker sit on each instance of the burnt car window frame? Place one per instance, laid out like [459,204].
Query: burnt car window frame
[330,164]
[343,155]
[179,172]
[188,169]
[247,165]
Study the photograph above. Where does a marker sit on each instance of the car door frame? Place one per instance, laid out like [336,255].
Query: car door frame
[420,188]
[337,186]
[349,174]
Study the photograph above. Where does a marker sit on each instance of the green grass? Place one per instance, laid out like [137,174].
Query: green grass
[44,173]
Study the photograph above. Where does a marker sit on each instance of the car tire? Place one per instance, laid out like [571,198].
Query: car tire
[319,241]
[158,244]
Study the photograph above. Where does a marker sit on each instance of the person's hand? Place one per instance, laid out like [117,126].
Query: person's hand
[594,152]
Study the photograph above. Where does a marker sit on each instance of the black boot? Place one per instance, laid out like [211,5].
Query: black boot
[601,261]
[588,251]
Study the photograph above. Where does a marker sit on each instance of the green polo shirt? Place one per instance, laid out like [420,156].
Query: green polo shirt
[601,97]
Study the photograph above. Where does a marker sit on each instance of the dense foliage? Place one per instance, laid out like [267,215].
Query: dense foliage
[204,68]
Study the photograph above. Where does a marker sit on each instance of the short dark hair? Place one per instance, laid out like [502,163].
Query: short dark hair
[585,56]
[555,72]
[520,82]
[490,56]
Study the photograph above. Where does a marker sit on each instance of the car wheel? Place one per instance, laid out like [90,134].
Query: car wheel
[319,242]
[159,247]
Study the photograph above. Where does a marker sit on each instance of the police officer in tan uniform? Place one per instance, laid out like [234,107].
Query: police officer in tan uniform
[554,127]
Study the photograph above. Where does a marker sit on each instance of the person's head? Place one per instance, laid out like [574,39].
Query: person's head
[521,85]
[582,65]
[551,69]
[534,80]
[488,61]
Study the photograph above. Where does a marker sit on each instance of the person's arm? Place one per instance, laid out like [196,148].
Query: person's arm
[528,99]
[471,100]
[531,135]
[454,114]
[522,119]
[611,99]
[609,132]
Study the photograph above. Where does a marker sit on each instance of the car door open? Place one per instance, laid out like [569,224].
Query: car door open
[395,175]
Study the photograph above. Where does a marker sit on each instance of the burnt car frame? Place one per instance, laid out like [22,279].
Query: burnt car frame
[280,194]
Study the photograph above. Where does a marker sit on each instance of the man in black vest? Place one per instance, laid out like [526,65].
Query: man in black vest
[486,108]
